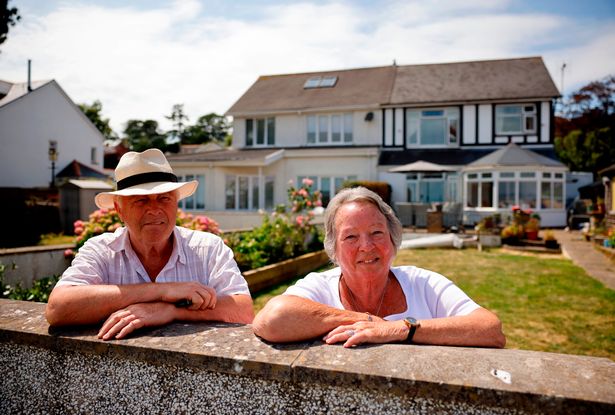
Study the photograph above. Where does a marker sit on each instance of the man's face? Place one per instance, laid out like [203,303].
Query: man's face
[149,218]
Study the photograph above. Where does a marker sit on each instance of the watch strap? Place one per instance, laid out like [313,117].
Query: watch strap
[412,325]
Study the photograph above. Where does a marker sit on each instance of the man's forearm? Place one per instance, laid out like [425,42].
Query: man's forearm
[229,309]
[90,304]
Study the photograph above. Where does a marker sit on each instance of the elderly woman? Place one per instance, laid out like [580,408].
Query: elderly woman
[365,299]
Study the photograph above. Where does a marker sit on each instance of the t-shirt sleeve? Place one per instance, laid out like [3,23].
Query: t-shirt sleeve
[445,299]
[87,267]
[313,287]
[224,276]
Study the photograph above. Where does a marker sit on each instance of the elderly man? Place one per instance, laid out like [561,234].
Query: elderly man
[149,272]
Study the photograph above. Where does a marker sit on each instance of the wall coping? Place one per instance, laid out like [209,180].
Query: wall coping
[35,248]
[540,382]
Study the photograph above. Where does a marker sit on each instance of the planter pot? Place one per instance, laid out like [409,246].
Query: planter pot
[270,275]
[551,244]
[490,240]
[531,235]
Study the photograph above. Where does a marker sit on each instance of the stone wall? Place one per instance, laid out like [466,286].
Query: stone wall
[223,368]
[26,264]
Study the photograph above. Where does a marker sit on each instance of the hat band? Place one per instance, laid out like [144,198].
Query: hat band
[146,178]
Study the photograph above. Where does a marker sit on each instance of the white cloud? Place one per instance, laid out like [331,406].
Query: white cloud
[139,63]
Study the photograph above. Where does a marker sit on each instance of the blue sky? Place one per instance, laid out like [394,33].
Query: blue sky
[141,57]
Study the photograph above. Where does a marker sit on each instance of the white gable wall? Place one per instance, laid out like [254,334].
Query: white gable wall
[291,129]
[26,127]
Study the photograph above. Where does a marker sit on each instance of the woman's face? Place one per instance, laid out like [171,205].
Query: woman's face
[363,242]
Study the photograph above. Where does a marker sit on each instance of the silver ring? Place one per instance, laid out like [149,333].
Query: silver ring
[351,333]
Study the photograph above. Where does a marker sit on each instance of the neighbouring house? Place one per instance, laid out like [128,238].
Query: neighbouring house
[38,120]
[608,178]
[432,132]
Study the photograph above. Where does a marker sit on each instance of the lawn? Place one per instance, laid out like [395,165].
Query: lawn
[546,303]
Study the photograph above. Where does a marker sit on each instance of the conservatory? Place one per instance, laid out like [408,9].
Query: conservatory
[514,176]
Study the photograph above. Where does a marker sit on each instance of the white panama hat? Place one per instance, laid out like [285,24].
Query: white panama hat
[145,173]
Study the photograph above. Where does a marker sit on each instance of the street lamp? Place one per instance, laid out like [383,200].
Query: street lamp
[53,156]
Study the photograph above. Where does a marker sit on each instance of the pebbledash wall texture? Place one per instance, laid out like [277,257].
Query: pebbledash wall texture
[223,368]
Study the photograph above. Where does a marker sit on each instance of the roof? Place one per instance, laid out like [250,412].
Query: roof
[354,88]
[504,79]
[513,155]
[91,184]
[473,81]
[78,169]
[14,91]
[231,156]
[445,156]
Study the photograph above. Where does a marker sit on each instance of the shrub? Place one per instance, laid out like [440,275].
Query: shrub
[283,234]
[39,292]
[382,189]
[108,220]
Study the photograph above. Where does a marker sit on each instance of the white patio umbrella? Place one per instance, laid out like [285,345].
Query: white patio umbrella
[421,166]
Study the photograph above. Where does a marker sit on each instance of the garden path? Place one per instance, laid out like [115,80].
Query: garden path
[583,254]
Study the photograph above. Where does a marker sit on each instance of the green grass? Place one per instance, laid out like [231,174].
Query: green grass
[56,239]
[546,303]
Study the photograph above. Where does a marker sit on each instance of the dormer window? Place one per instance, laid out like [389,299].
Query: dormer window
[320,82]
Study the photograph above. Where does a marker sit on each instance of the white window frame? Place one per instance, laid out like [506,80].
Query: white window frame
[481,177]
[414,117]
[333,190]
[528,111]
[323,123]
[266,137]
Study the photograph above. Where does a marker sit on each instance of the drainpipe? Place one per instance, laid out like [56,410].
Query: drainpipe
[29,72]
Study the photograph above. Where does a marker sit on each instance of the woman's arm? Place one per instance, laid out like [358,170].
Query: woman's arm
[480,328]
[288,318]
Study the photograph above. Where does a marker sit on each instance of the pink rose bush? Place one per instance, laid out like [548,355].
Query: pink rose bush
[107,220]
[283,234]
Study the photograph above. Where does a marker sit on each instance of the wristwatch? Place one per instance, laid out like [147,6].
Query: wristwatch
[412,325]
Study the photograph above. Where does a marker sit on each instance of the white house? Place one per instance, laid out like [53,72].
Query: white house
[366,123]
[33,120]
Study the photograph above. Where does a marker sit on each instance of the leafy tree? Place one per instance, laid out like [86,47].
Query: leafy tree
[178,118]
[585,135]
[142,135]
[94,113]
[10,17]
[209,127]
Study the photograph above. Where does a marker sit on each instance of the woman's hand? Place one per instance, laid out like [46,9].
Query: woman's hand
[368,332]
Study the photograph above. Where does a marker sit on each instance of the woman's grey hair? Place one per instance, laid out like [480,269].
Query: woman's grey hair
[358,194]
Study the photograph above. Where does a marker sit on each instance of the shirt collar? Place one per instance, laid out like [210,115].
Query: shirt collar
[122,243]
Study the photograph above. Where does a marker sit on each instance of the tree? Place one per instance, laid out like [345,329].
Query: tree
[209,127]
[585,135]
[94,113]
[142,135]
[177,117]
[9,17]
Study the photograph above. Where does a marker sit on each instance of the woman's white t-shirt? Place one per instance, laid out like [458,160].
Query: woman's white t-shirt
[428,294]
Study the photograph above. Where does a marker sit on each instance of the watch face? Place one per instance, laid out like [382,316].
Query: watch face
[411,320]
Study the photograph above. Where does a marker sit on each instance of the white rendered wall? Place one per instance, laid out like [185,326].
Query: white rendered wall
[469,124]
[545,121]
[26,127]
[485,132]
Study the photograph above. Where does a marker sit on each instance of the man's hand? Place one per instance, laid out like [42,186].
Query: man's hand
[135,316]
[200,296]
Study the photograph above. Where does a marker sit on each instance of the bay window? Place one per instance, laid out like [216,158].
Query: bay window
[327,185]
[433,127]
[243,192]
[195,201]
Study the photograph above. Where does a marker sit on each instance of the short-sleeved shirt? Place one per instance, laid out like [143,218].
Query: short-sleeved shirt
[428,294]
[197,256]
